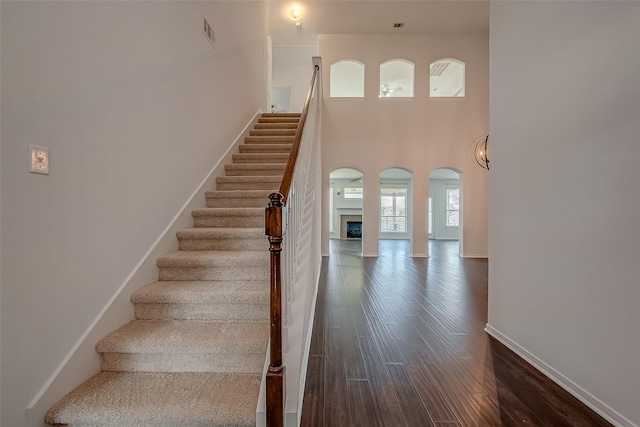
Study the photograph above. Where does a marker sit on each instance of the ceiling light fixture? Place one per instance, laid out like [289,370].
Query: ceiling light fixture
[294,14]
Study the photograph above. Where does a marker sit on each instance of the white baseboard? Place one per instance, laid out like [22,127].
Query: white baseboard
[604,410]
[118,309]
[480,256]
[371,255]
[420,255]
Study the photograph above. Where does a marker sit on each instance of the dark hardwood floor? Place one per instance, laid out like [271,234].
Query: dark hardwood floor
[399,341]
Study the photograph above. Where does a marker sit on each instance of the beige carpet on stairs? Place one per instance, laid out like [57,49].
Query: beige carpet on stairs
[194,353]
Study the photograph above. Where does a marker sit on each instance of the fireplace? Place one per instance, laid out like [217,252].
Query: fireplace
[354,229]
[355,226]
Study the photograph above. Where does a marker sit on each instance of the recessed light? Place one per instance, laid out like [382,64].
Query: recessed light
[398,25]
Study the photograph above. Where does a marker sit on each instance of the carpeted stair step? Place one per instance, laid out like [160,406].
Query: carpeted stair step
[203,300]
[214,265]
[253,158]
[185,346]
[272,132]
[248,183]
[265,169]
[280,115]
[222,239]
[268,139]
[278,120]
[137,399]
[228,217]
[265,148]
[275,126]
[238,198]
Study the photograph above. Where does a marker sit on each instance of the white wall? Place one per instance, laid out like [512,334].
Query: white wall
[136,107]
[564,272]
[296,76]
[418,134]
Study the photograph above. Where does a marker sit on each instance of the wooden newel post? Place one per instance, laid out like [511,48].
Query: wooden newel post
[274,229]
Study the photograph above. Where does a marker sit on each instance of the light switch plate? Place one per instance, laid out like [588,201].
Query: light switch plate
[38,159]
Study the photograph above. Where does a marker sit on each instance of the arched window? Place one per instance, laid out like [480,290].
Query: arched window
[447,78]
[346,79]
[396,79]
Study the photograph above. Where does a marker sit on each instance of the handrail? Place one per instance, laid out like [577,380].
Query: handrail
[275,228]
[287,179]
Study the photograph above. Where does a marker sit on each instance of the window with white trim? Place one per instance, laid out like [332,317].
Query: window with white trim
[331,210]
[393,210]
[453,207]
[353,193]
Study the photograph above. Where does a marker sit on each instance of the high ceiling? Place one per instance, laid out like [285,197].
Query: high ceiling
[372,17]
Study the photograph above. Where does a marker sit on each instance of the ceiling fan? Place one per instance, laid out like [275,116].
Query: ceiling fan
[386,91]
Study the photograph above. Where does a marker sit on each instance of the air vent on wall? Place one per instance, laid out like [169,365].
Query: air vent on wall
[209,33]
[398,25]
[438,68]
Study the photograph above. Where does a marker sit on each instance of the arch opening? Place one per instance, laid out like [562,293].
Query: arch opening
[447,78]
[346,79]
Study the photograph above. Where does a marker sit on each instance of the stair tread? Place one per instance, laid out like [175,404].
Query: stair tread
[202,292]
[281,114]
[222,233]
[199,212]
[186,336]
[141,398]
[256,166]
[238,193]
[252,178]
[190,259]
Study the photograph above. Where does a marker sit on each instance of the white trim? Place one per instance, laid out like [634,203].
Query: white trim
[571,387]
[420,255]
[480,256]
[371,254]
[197,192]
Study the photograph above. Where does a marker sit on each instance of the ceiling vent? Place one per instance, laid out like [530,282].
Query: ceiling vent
[398,25]
[438,68]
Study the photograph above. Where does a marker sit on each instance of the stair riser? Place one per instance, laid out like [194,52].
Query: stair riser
[254,172]
[260,159]
[230,186]
[265,148]
[228,221]
[209,312]
[272,132]
[268,140]
[261,244]
[248,273]
[278,120]
[176,362]
[276,126]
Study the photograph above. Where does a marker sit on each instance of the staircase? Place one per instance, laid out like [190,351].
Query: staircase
[195,351]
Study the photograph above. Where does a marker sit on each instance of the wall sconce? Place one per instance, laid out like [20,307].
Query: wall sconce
[480,151]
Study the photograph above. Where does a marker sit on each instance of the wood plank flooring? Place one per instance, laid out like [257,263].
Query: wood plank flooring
[399,341]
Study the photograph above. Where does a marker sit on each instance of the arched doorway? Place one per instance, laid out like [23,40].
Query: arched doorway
[445,208]
[396,207]
[346,208]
